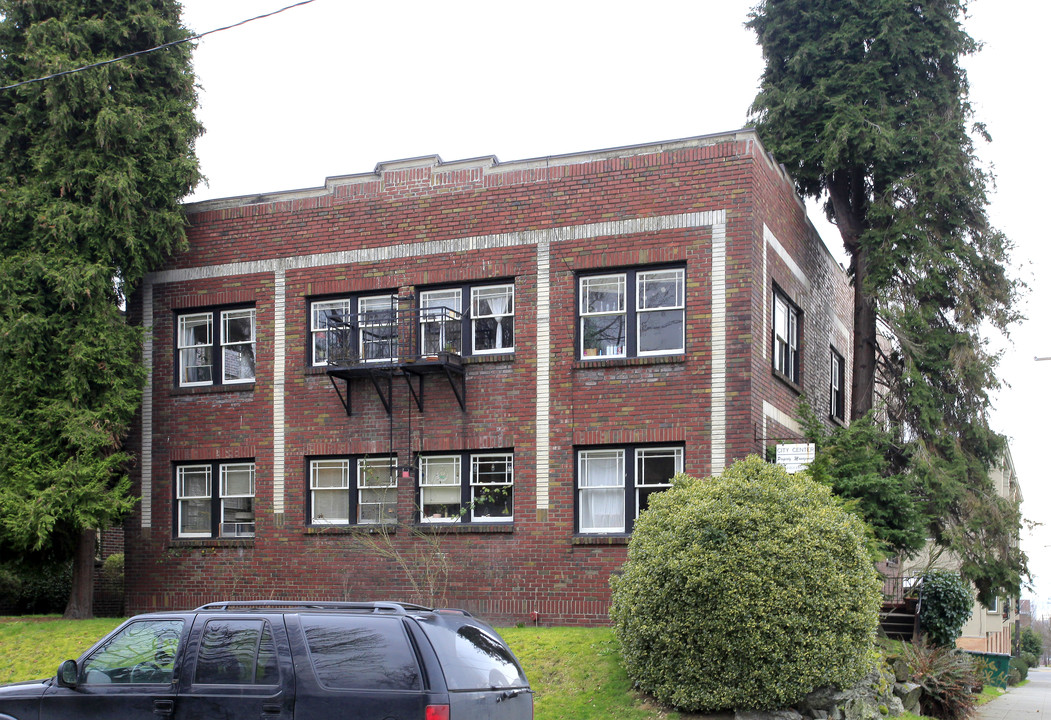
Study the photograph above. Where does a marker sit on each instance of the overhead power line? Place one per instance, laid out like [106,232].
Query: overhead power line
[152,49]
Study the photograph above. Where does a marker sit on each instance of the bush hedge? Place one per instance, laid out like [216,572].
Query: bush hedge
[945,606]
[746,591]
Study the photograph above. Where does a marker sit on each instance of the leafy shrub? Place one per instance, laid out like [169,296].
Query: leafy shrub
[945,606]
[37,588]
[1029,658]
[1019,665]
[745,591]
[946,677]
[1031,642]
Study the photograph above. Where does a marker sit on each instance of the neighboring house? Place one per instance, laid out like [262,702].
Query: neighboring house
[990,628]
[481,369]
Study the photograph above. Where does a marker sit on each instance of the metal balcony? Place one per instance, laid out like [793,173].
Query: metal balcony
[412,343]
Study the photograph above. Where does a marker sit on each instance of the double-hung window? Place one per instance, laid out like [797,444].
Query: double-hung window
[635,313]
[786,337]
[354,329]
[485,327]
[370,499]
[615,484]
[207,357]
[215,499]
[467,487]
[836,388]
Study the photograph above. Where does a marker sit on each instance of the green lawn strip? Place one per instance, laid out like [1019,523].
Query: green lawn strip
[577,675]
[31,648]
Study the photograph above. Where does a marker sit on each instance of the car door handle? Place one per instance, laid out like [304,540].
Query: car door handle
[271,710]
[164,708]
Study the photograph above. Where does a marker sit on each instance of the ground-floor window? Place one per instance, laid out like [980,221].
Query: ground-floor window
[215,499]
[466,487]
[353,490]
[614,484]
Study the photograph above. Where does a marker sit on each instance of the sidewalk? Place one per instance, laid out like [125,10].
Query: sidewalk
[1031,700]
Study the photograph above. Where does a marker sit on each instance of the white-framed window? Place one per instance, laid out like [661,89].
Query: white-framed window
[611,491]
[786,337]
[634,313]
[330,491]
[377,491]
[440,488]
[994,608]
[193,493]
[441,321]
[204,358]
[372,500]
[354,329]
[326,340]
[492,487]
[493,319]
[836,389]
[601,491]
[237,499]
[467,487]
[206,508]
[377,328]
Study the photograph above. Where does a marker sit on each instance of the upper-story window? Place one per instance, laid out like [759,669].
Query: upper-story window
[612,491]
[207,357]
[362,328]
[634,313]
[215,499]
[787,323]
[836,404]
[488,326]
[467,487]
[349,491]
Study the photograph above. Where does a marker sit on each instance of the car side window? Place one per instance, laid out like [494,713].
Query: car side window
[140,652]
[237,652]
[361,653]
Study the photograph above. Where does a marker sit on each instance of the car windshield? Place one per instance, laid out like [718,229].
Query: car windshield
[472,658]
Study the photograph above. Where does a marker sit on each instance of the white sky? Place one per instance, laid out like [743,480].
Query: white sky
[334,87]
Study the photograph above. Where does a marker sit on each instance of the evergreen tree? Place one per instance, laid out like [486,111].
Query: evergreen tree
[867,106]
[93,164]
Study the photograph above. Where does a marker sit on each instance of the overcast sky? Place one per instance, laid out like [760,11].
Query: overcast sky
[335,87]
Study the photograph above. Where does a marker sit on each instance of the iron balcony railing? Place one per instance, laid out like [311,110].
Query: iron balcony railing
[392,337]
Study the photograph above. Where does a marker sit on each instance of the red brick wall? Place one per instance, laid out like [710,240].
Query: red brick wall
[502,572]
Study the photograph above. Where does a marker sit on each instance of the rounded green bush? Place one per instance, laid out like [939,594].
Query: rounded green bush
[746,591]
[945,607]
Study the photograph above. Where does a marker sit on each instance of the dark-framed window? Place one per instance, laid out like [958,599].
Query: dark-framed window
[614,484]
[836,387]
[786,337]
[215,499]
[362,327]
[632,313]
[466,487]
[352,490]
[473,319]
[215,346]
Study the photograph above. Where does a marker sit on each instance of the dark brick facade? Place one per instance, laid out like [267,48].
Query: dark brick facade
[717,206]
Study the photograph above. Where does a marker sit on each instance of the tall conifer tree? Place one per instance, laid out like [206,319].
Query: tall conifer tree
[93,165]
[867,105]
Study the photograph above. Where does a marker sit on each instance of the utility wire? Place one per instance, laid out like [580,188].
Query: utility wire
[152,49]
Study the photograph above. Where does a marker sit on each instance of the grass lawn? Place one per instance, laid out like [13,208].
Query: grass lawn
[575,672]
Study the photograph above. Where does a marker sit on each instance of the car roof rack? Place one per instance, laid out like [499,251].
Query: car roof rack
[397,608]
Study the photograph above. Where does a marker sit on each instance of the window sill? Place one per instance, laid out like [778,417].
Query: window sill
[211,542]
[464,528]
[788,381]
[351,529]
[211,389]
[580,364]
[601,539]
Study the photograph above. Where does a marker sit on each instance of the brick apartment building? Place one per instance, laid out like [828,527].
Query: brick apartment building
[460,381]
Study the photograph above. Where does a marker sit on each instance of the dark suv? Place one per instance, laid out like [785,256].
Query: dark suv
[285,660]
